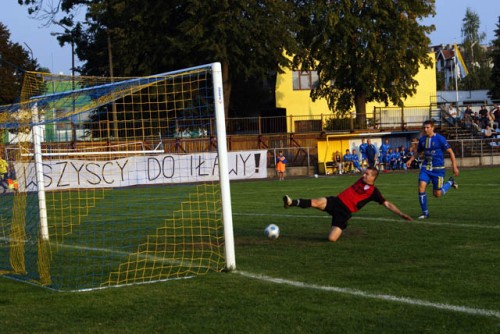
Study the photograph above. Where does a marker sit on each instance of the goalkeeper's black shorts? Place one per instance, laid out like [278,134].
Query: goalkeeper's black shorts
[339,212]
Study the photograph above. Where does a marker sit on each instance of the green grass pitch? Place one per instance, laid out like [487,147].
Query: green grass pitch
[384,275]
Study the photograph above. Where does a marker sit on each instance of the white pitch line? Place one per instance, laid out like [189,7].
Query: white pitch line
[384,297]
[142,255]
[427,222]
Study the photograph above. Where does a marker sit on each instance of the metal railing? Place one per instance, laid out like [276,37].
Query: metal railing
[295,156]
[476,152]
[402,118]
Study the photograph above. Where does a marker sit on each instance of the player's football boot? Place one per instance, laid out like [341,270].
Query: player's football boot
[287,201]
[423,216]
[453,183]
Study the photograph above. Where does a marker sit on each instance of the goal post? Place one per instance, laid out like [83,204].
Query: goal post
[223,167]
[37,148]
[107,199]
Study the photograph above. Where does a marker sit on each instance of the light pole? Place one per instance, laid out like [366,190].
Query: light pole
[72,42]
[31,51]
[111,73]
[455,63]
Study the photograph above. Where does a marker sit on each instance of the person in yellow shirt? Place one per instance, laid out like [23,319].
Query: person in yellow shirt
[4,172]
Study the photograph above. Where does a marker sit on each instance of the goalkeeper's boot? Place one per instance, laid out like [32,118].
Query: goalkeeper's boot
[287,201]
[453,183]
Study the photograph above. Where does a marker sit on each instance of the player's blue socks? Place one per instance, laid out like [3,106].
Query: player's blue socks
[446,187]
[422,198]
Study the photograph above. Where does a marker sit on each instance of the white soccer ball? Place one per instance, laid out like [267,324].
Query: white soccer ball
[316,175]
[272,232]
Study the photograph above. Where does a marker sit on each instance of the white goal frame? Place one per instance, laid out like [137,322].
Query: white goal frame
[221,151]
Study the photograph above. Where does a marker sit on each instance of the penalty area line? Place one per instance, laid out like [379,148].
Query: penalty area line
[383,297]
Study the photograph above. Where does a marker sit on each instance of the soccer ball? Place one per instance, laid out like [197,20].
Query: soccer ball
[272,231]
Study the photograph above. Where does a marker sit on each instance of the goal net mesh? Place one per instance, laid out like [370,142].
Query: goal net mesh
[124,200]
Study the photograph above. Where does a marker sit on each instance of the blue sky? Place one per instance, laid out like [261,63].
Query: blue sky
[46,49]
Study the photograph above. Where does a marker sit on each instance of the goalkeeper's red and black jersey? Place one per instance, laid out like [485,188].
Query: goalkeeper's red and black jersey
[360,193]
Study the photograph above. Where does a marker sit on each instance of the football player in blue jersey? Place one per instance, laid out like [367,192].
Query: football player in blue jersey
[362,150]
[348,166]
[433,147]
[396,159]
[384,148]
[355,160]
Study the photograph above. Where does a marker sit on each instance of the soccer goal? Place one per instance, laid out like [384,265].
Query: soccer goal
[107,192]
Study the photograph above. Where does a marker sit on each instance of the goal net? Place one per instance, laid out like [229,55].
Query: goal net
[118,180]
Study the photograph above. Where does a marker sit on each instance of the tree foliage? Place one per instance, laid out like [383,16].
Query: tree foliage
[471,37]
[475,57]
[150,36]
[14,60]
[494,92]
[364,50]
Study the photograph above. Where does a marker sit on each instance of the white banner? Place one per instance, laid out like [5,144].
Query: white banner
[141,170]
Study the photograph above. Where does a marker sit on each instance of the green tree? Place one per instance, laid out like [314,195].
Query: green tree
[494,92]
[364,50]
[475,57]
[14,60]
[150,36]
[471,38]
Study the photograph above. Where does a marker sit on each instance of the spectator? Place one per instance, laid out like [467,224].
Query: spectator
[496,114]
[416,161]
[355,160]
[390,160]
[385,161]
[414,144]
[403,160]
[395,159]
[453,115]
[476,128]
[380,162]
[468,118]
[483,111]
[487,133]
[348,165]
[4,172]
[281,166]
[371,153]
[483,117]
[337,161]
[468,110]
[384,149]
[491,117]
[475,117]
[362,150]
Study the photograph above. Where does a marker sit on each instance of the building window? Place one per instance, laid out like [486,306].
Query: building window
[304,80]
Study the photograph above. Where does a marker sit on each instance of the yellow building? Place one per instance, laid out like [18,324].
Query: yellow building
[293,94]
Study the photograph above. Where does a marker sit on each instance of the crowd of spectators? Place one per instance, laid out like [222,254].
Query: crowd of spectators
[395,159]
[384,158]
[483,122]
